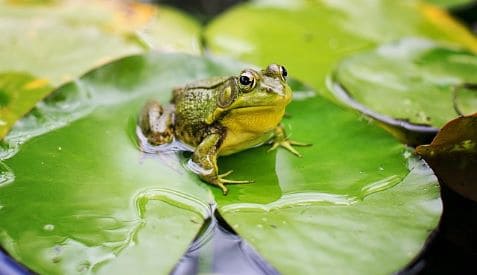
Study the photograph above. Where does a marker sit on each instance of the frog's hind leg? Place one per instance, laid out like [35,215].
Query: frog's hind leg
[205,160]
[157,123]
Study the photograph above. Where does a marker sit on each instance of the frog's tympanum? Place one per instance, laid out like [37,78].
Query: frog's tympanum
[222,116]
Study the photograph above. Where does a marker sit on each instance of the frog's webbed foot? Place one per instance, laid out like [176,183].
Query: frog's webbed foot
[204,162]
[288,144]
[280,139]
[221,181]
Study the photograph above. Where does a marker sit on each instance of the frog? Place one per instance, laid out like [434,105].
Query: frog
[221,116]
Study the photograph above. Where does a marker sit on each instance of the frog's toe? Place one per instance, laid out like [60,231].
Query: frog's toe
[221,181]
[287,144]
[274,146]
[296,143]
[222,186]
[227,181]
[225,174]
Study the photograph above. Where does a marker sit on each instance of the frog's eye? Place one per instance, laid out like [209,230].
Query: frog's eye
[275,70]
[284,72]
[247,81]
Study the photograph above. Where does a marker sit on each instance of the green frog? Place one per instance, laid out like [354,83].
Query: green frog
[222,116]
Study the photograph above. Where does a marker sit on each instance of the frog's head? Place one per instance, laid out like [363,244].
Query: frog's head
[265,88]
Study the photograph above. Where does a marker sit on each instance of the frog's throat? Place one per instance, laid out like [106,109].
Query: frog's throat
[218,112]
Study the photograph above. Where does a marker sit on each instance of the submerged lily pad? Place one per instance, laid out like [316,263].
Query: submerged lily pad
[310,37]
[101,205]
[417,83]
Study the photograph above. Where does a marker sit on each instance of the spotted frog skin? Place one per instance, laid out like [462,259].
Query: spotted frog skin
[221,116]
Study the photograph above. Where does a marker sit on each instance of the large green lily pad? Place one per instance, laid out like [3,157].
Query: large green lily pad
[414,83]
[99,204]
[91,192]
[354,199]
[310,37]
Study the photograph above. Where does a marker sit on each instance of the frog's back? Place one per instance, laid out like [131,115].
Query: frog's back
[209,83]
[194,103]
[198,98]
[203,84]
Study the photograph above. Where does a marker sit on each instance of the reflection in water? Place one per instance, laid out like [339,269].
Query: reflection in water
[218,251]
[146,147]
[172,197]
[380,185]
[10,267]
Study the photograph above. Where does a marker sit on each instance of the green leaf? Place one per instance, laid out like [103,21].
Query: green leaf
[61,40]
[169,30]
[18,92]
[302,234]
[415,83]
[82,196]
[354,199]
[310,37]
[99,204]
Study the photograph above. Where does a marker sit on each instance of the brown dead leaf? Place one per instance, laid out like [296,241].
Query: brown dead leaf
[453,155]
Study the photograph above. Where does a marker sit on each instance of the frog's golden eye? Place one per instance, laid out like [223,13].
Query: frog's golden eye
[247,81]
[275,70]
[284,72]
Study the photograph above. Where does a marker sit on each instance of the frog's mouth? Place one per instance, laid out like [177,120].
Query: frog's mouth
[257,109]
[276,103]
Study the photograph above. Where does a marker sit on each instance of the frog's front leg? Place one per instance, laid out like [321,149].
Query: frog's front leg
[205,157]
[280,139]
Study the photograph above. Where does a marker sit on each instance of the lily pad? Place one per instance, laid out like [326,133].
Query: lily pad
[101,205]
[310,37]
[354,199]
[17,94]
[60,40]
[415,84]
